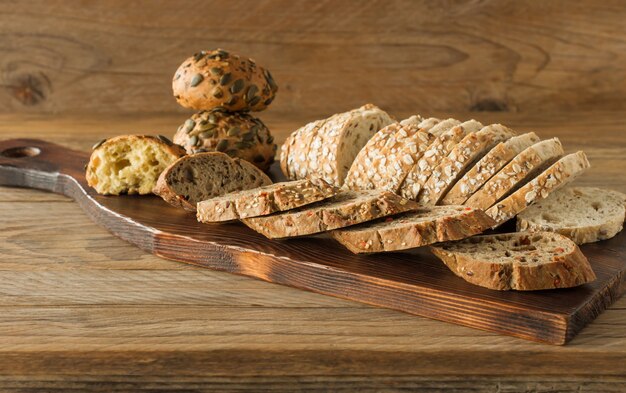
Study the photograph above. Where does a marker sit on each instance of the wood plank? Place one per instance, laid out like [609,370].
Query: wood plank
[413,282]
[327,56]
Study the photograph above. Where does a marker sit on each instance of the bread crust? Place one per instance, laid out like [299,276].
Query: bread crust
[217,78]
[234,133]
[425,226]
[164,186]
[560,263]
[487,167]
[559,174]
[583,214]
[522,167]
[345,209]
[470,149]
[264,200]
[93,180]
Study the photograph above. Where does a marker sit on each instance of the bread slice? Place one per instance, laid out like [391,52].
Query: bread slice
[335,142]
[130,164]
[583,214]
[520,261]
[443,126]
[557,175]
[387,157]
[465,154]
[484,169]
[297,148]
[427,124]
[425,226]
[345,209]
[264,200]
[201,176]
[440,147]
[522,168]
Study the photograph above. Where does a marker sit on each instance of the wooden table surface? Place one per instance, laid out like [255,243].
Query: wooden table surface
[83,309]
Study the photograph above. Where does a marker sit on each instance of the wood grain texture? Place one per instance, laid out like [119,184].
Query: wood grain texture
[84,310]
[415,282]
[327,56]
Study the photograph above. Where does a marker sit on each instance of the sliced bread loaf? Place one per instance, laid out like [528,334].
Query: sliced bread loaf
[488,166]
[387,157]
[557,175]
[425,226]
[440,147]
[521,261]
[527,164]
[327,148]
[201,176]
[465,154]
[344,209]
[130,164]
[264,200]
[583,214]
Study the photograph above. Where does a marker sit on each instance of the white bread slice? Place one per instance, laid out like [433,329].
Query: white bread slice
[265,200]
[467,152]
[441,146]
[488,166]
[425,226]
[583,214]
[557,175]
[522,168]
[443,126]
[344,209]
[427,124]
[520,261]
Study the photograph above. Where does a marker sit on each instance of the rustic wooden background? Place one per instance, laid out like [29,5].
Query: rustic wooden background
[118,56]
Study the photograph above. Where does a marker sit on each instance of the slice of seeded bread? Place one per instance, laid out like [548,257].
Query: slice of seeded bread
[440,147]
[130,164]
[465,154]
[331,149]
[344,209]
[425,226]
[201,176]
[583,214]
[523,167]
[557,175]
[264,200]
[443,126]
[520,261]
[484,169]
[427,124]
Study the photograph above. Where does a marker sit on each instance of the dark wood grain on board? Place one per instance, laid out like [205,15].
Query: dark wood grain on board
[413,282]
[328,56]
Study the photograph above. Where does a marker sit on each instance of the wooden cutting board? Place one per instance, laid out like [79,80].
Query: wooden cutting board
[414,282]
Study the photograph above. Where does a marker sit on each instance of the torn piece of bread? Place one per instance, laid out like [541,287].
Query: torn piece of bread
[522,261]
[130,164]
[201,176]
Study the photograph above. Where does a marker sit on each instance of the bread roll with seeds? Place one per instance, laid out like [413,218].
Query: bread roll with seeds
[526,165]
[265,200]
[462,157]
[217,78]
[202,176]
[556,176]
[583,214]
[440,147]
[333,144]
[520,261]
[422,227]
[234,133]
[488,166]
[130,164]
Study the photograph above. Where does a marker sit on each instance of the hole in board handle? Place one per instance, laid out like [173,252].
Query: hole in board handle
[21,151]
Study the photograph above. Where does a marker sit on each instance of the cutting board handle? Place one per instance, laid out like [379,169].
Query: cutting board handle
[38,164]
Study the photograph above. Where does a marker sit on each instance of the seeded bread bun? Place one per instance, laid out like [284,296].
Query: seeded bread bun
[217,78]
[198,177]
[130,164]
[234,133]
